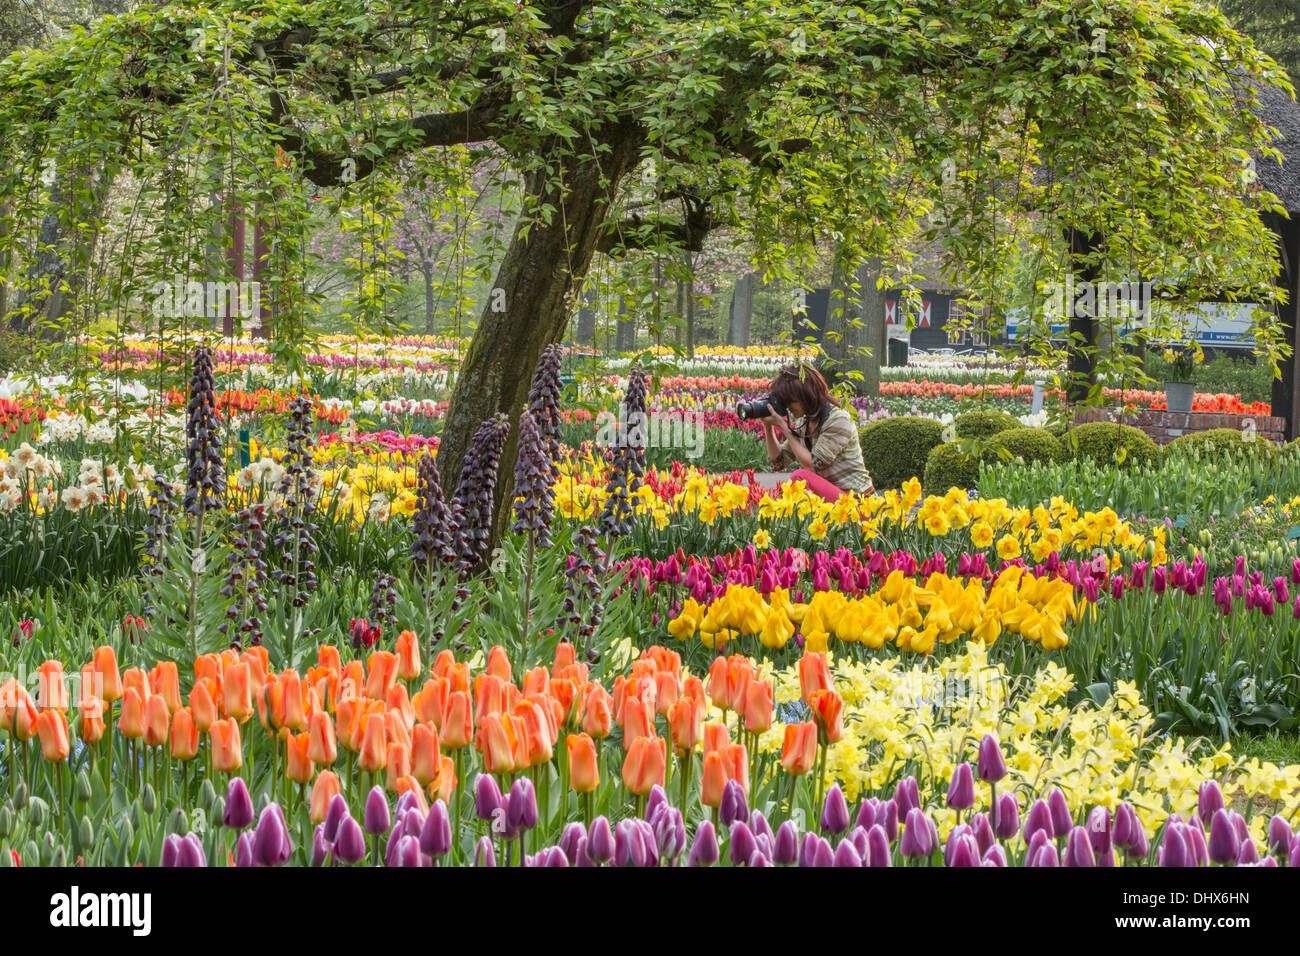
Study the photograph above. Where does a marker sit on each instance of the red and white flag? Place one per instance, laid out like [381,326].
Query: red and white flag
[891,311]
[925,315]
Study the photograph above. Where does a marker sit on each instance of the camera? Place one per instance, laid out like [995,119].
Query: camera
[759,408]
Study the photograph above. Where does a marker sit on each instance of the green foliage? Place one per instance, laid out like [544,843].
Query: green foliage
[1107,443]
[1223,374]
[896,449]
[950,466]
[1030,444]
[1218,443]
[983,423]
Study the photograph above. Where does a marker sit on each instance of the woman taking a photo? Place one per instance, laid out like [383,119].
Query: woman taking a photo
[822,445]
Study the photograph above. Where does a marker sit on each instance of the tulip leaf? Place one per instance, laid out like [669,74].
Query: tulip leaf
[1099,692]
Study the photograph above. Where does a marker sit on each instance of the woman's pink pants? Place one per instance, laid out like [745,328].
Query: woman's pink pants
[816,484]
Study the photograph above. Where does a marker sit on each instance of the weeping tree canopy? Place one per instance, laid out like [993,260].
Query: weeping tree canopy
[631,125]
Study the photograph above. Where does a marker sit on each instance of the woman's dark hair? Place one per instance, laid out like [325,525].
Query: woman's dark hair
[803,384]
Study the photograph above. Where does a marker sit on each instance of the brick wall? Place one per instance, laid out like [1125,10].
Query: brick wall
[1164,426]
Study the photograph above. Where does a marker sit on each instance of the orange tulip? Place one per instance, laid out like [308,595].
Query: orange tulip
[366,708]
[489,693]
[323,748]
[184,735]
[497,744]
[237,692]
[739,674]
[400,703]
[498,664]
[758,707]
[92,720]
[345,718]
[457,728]
[565,656]
[430,701]
[735,760]
[398,765]
[51,689]
[324,684]
[110,679]
[693,688]
[270,704]
[713,780]
[667,690]
[458,677]
[597,712]
[584,768]
[16,710]
[382,670]
[156,721]
[715,737]
[132,721]
[426,759]
[685,720]
[298,766]
[445,785]
[353,681]
[259,668]
[644,766]
[374,743]
[799,752]
[814,674]
[408,656]
[442,663]
[397,730]
[564,692]
[323,791]
[209,667]
[536,681]
[52,727]
[86,685]
[327,656]
[638,720]
[408,782]
[165,681]
[227,754]
[828,710]
[536,732]
[295,701]
[666,661]
[202,707]
[718,692]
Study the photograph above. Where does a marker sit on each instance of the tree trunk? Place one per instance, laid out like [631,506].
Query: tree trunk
[841,310]
[625,333]
[1286,390]
[1083,328]
[528,306]
[587,318]
[742,311]
[690,314]
[869,332]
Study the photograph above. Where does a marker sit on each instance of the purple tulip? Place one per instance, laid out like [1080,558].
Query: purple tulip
[1038,840]
[521,811]
[1279,836]
[484,854]
[733,808]
[963,851]
[1123,827]
[244,850]
[435,835]
[1078,849]
[887,819]
[192,854]
[350,847]
[823,856]
[408,852]
[670,833]
[846,854]
[1197,845]
[996,857]
[1062,819]
[1173,850]
[742,844]
[867,813]
[600,841]
[835,811]
[907,796]
[487,797]
[1038,818]
[877,847]
[1006,819]
[961,791]
[1045,855]
[376,819]
[271,845]
[1249,854]
[808,848]
[786,850]
[758,823]
[983,832]
[574,835]
[171,850]
[320,847]
[704,850]
[338,809]
[405,802]
[992,766]
[916,836]
[1209,800]
[238,814]
[657,799]
[1224,845]
[1099,830]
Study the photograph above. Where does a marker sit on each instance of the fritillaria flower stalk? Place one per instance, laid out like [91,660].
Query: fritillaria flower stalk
[295,541]
[628,461]
[471,506]
[432,548]
[534,504]
[205,470]
[247,576]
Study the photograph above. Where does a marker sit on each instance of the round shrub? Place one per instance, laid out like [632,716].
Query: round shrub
[1031,444]
[950,467]
[1218,442]
[895,449]
[1059,429]
[1098,442]
[984,423]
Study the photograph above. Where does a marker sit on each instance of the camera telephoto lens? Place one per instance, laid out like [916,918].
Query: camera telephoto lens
[759,408]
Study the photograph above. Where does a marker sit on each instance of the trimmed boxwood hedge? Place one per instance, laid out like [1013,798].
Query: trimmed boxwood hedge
[1216,442]
[895,449]
[1099,441]
[984,423]
[1031,444]
[950,467]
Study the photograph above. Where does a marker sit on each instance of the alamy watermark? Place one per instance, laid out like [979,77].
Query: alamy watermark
[671,429]
[1094,300]
[192,298]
